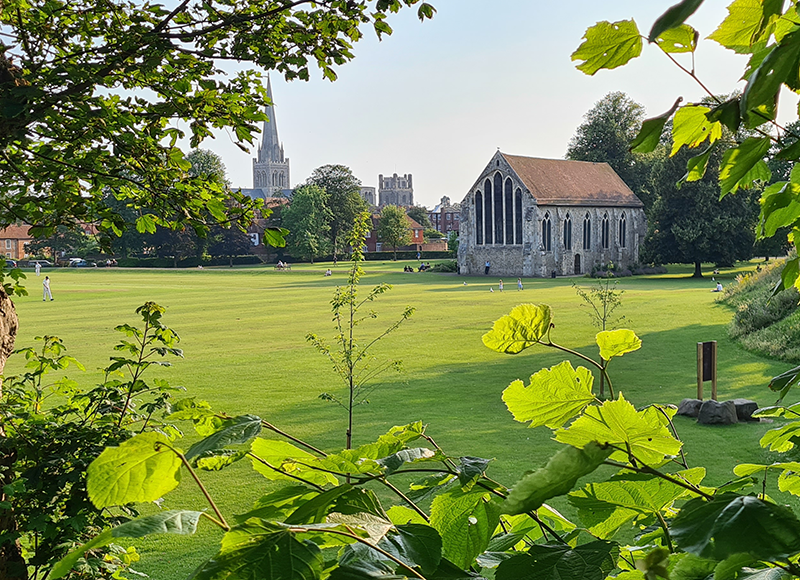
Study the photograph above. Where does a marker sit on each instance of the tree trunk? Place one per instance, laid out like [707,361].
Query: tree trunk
[697,272]
[12,564]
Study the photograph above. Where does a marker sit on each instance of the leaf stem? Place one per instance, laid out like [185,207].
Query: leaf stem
[665,527]
[649,470]
[273,428]
[282,472]
[403,496]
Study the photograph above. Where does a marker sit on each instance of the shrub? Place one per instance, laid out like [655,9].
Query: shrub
[446,266]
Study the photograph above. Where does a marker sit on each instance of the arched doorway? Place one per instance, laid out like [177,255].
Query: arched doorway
[577,264]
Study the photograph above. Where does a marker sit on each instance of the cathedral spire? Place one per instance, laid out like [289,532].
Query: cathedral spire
[270,149]
[271,167]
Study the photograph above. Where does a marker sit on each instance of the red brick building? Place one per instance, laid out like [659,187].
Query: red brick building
[374,245]
[445,217]
[14,241]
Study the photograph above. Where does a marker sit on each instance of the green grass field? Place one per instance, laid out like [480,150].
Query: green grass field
[243,333]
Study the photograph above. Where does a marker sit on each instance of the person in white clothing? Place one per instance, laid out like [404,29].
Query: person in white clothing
[46,287]
[38,268]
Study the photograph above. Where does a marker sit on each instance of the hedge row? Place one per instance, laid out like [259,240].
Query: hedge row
[191,262]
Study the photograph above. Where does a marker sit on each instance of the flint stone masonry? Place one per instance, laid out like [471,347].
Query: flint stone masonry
[745,409]
[716,413]
[689,407]
[532,217]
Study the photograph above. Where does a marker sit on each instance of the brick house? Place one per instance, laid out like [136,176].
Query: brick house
[14,241]
[417,237]
[445,217]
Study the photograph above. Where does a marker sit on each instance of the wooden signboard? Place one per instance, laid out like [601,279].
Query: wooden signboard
[707,367]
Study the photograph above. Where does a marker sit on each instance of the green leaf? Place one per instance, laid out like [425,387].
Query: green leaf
[778,67]
[790,152]
[673,17]
[691,127]
[183,522]
[556,478]
[727,113]
[679,39]
[786,379]
[417,545]
[263,550]
[553,397]
[737,162]
[275,237]
[618,423]
[470,469]
[778,411]
[691,567]
[605,507]
[608,45]
[279,504]
[283,455]
[591,561]
[780,207]
[740,28]
[220,460]
[400,514]
[146,224]
[315,510]
[465,521]
[395,461]
[696,166]
[140,469]
[714,528]
[240,430]
[650,134]
[523,327]
[617,342]
[781,439]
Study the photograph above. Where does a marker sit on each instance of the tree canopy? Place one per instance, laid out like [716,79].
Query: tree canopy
[394,227]
[308,220]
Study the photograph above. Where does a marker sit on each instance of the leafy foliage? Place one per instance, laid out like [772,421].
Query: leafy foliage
[394,227]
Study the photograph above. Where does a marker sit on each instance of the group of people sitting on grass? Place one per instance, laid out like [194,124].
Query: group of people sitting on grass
[282,265]
[422,267]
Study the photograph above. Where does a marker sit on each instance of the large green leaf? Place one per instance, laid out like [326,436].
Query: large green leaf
[465,521]
[649,135]
[140,469]
[696,166]
[279,504]
[592,561]
[739,161]
[291,459]
[605,507]
[470,469]
[240,430]
[780,66]
[682,38]
[608,45]
[691,127]
[366,458]
[523,327]
[617,342]
[315,509]
[263,550]
[715,528]
[619,423]
[183,522]
[417,545]
[674,17]
[741,27]
[783,438]
[395,461]
[780,207]
[556,478]
[553,397]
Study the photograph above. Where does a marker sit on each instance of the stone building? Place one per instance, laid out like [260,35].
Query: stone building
[532,217]
[445,217]
[271,167]
[368,194]
[395,190]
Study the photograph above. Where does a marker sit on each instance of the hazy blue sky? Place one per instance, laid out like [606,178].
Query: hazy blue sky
[436,99]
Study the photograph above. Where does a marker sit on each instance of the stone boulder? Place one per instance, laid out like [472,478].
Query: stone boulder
[689,407]
[716,413]
[745,409]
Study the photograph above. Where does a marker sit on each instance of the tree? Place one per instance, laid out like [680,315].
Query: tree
[228,241]
[344,201]
[419,214]
[393,227]
[208,165]
[74,242]
[605,136]
[688,222]
[452,243]
[308,220]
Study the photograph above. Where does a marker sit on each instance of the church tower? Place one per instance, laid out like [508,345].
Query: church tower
[271,168]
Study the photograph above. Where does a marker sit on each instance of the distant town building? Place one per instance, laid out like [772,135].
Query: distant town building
[395,190]
[445,217]
[271,167]
[368,195]
[526,216]
[373,244]
[14,241]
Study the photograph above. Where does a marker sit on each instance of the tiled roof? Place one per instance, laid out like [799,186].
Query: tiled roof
[15,232]
[562,182]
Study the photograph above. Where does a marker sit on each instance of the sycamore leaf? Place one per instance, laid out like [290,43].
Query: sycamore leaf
[261,549]
[737,163]
[617,342]
[618,423]
[523,327]
[140,469]
[675,16]
[650,134]
[605,507]
[679,39]
[553,397]
[556,478]
[465,521]
[608,45]
[691,127]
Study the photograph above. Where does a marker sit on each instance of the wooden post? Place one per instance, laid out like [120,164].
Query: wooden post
[700,370]
[714,370]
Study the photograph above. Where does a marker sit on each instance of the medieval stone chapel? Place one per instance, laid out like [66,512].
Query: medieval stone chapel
[531,217]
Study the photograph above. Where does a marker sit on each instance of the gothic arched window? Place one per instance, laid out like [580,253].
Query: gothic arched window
[478,218]
[498,209]
[587,232]
[547,230]
[604,237]
[509,203]
[568,233]
[622,231]
[518,216]
[488,236]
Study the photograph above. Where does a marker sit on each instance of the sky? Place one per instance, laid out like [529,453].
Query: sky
[437,98]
